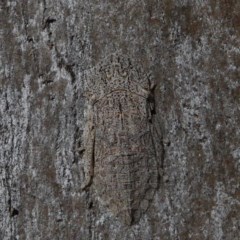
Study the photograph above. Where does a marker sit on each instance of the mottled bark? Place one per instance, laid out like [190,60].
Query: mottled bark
[192,50]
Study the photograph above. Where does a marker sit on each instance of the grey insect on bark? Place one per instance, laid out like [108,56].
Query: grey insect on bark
[120,155]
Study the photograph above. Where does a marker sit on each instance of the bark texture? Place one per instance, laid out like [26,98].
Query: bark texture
[193,51]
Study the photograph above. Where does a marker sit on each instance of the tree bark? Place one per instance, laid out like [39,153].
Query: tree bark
[192,51]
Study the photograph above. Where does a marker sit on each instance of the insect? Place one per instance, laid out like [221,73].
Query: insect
[119,152]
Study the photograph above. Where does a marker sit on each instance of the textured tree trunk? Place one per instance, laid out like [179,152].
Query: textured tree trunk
[191,48]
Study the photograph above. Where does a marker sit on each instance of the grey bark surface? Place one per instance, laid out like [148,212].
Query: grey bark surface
[192,49]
